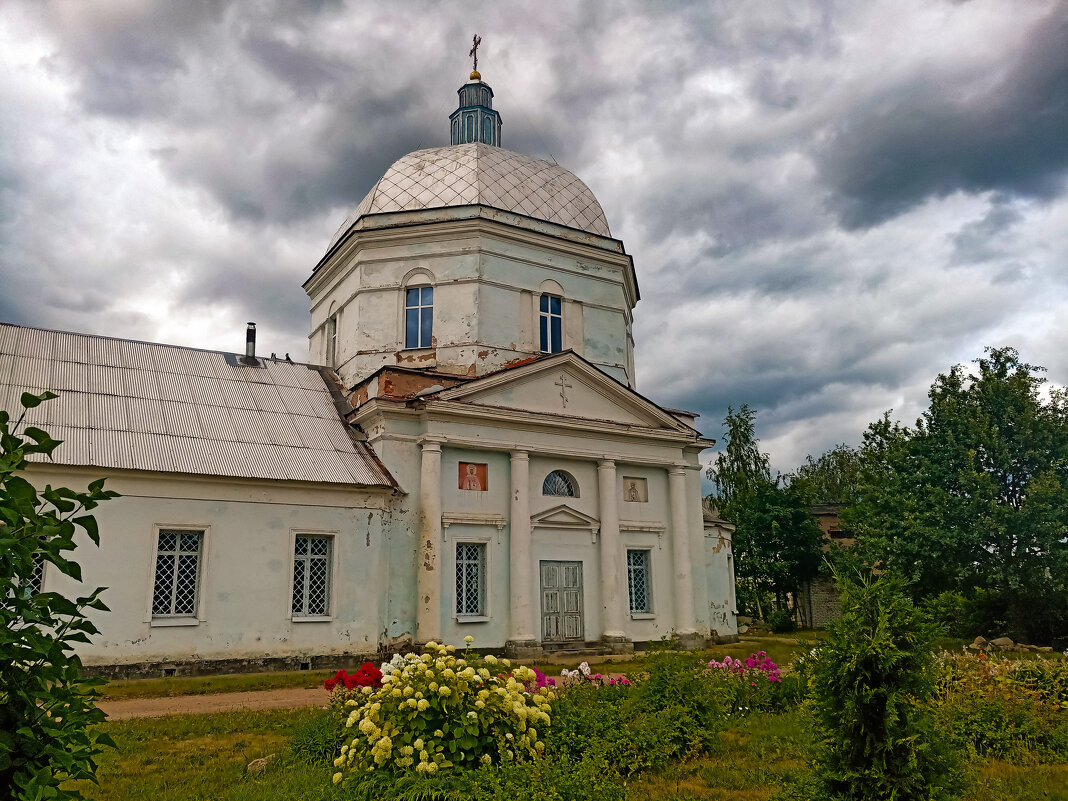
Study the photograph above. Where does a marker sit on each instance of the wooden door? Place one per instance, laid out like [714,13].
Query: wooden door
[561,601]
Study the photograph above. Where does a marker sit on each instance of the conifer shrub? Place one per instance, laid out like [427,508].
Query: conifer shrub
[872,684]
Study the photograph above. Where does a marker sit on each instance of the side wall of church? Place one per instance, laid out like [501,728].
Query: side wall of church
[244,596]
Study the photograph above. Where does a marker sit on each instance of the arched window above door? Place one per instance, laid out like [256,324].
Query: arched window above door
[560,484]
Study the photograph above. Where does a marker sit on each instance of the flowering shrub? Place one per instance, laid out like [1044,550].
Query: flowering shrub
[756,666]
[744,686]
[367,676]
[440,710]
[584,675]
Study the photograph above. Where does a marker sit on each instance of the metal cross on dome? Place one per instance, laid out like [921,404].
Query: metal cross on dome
[564,387]
[475,42]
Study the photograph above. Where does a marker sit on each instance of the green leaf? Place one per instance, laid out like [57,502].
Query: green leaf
[31,401]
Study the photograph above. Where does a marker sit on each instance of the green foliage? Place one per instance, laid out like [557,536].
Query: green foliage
[45,707]
[777,543]
[316,739]
[974,498]
[832,478]
[781,622]
[1007,708]
[871,683]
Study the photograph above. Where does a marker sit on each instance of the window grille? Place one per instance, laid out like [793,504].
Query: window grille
[552,324]
[177,572]
[559,483]
[419,317]
[36,580]
[311,576]
[471,579]
[638,581]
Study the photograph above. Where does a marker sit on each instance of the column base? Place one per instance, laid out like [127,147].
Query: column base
[523,649]
[617,644]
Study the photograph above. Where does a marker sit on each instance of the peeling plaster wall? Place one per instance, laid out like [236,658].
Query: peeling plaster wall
[483,283]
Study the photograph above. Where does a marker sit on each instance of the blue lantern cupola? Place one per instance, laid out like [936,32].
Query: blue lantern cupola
[475,120]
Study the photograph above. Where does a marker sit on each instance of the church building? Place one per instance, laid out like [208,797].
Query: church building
[466,452]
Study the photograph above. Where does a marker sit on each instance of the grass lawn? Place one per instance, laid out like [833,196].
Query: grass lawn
[204,757]
[208,685]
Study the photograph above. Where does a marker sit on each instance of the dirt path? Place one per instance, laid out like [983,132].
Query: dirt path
[293,698]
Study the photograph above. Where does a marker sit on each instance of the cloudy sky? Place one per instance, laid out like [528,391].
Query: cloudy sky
[828,203]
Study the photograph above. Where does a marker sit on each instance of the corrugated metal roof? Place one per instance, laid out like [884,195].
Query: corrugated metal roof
[145,406]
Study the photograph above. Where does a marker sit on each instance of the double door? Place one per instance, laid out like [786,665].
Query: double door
[561,602]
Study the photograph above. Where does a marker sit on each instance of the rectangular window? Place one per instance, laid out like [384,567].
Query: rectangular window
[638,582]
[552,324]
[331,342]
[471,579]
[177,585]
[311,576]
[419,317]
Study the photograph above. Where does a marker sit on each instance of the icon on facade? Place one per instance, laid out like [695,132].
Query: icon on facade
[635,490]
[473,476]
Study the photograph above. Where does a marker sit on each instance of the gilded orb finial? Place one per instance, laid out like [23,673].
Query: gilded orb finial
[476,75]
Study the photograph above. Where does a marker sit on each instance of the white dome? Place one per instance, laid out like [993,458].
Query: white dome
[479,174]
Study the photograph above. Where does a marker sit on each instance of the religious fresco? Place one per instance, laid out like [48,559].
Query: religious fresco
[473,476]
[635,490]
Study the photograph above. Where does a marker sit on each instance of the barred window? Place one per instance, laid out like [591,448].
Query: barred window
[559,483]
[471,579]
[311,576]
[177,583]
[638,581]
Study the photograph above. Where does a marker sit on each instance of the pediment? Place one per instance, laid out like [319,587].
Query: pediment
[565,385]
[563,516]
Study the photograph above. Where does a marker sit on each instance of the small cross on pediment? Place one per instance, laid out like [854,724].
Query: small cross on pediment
[564,387]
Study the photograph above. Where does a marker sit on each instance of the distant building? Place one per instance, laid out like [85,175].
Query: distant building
[472,456]
[819,599]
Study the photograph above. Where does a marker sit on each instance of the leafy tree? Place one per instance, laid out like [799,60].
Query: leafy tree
[870,685]
[833,477]
[974,498]
[776,540]
[45,706]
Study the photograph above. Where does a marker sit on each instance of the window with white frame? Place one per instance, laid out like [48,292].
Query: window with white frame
[471,579]
[419,317]
[552,324]
[311,575]
[177,584]
[331,341]
[638,581]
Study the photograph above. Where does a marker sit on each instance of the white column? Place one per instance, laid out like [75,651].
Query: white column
[681,551]
[612,596]
[428,566]
[521,626]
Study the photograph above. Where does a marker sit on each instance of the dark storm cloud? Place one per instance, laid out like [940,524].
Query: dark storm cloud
[938,133]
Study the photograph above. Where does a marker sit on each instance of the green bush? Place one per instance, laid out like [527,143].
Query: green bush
[781,621]
[872,682]
[46,707]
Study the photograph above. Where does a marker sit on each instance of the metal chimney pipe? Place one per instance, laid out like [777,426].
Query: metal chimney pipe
[250,341]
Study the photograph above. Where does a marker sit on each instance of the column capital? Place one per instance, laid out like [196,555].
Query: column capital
[677,469]
[520,456]
[606,464]
[432,442]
